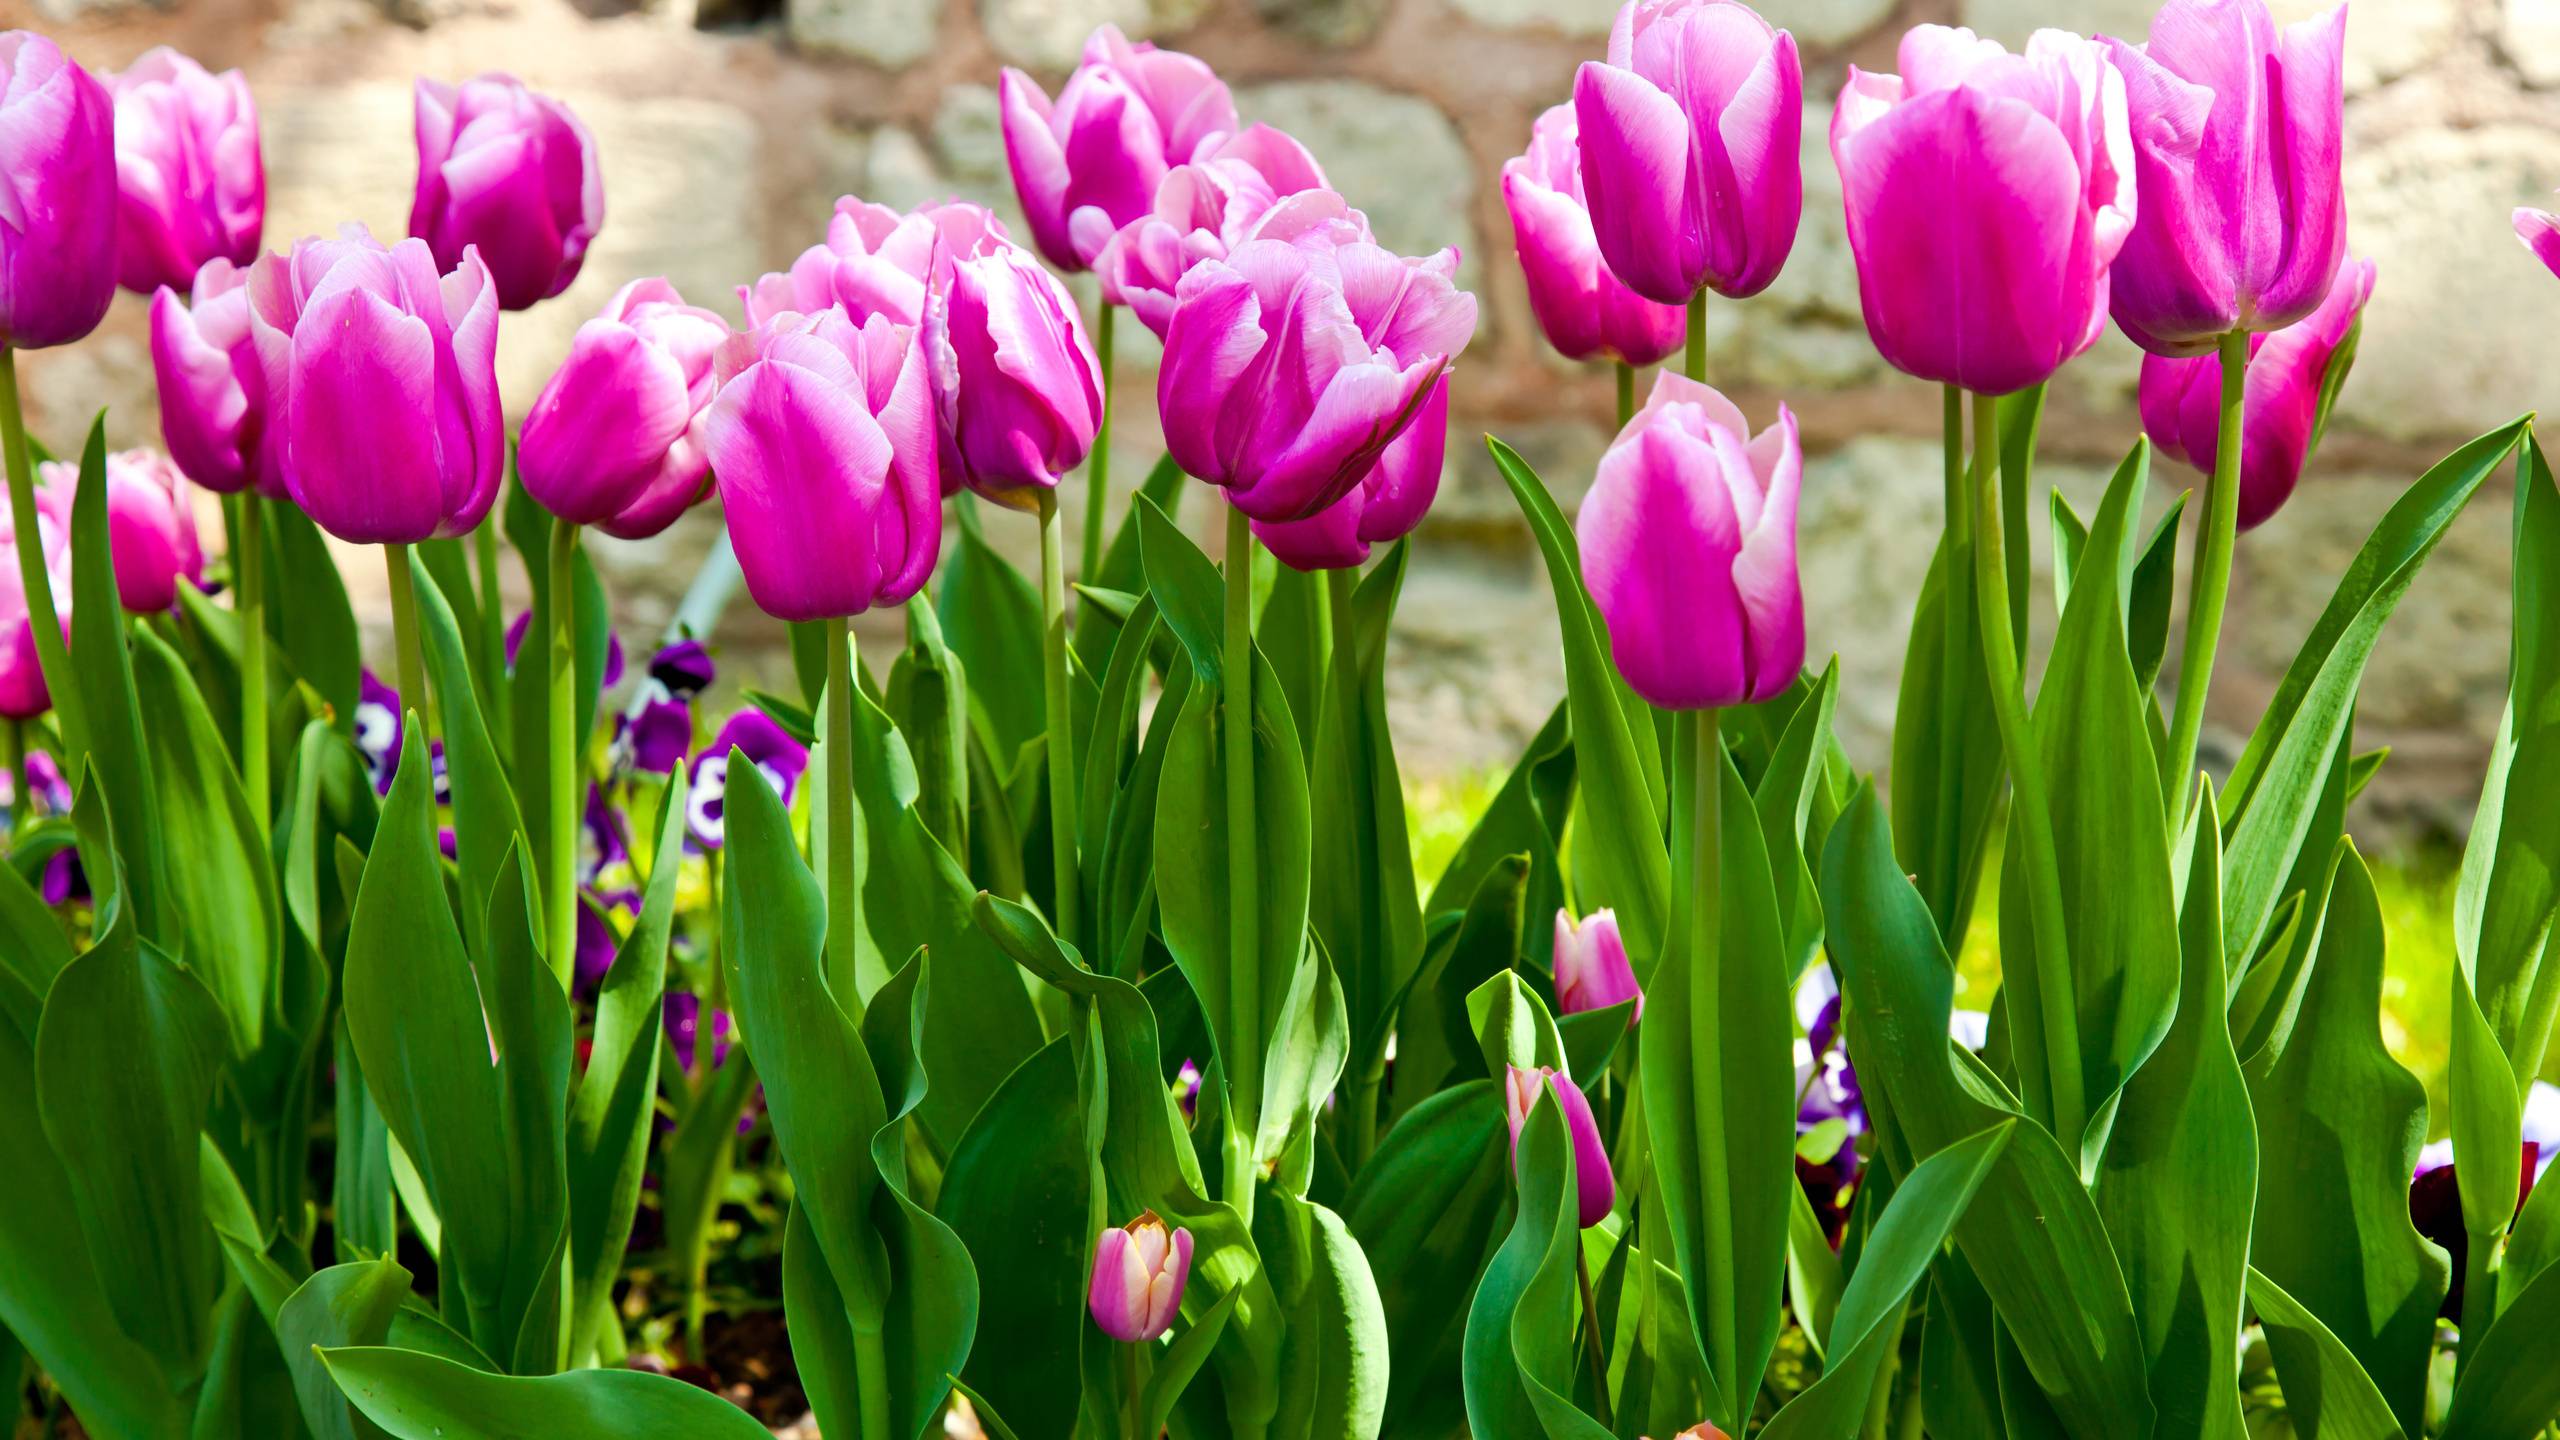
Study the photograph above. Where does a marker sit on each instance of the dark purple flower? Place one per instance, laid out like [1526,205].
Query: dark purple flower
[594,954]
[377,722]
[772,750]
[656,739]
[684,668]
[682,1016]
[1186,1089]
[602,845]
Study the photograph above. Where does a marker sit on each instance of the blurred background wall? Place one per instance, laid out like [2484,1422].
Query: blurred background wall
[728,127]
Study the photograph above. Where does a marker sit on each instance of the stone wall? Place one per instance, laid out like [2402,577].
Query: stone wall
[729,126]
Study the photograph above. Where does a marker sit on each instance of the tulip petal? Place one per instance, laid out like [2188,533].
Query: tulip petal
[364,387]
[1635,160]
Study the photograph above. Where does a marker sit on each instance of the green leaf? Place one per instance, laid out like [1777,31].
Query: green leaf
[1719,1082]
[2111,842]
[109,707]
[2339,1126]
[991,619]
[1193,874]
[1427,1210]
[916,896]
[1188,591]
[2510,1386]
[1124,568]
[2177,1184]
[615,1104]
[1525,817]
[342,1305]
[1293,630]
[1908,1235]
[1785,802]
[486,822]
[1015,1193]
[893,1270]
[2032,1236]
[1948,769]
[308,607]
[1333,1362]
[1176,1366]
[1620,768]
[415,1396]
[125,1063]
[2327,1395]
[2274,787]
[928,697]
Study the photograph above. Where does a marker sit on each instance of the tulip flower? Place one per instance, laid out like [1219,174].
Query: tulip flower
[1688,541]
[509,171]
[1260,182]
[213,393]
[2237,142]
[822,436]
[2540,232]
[1139,1270]
[382,386]
[752,733]
[57,195]
[1691,150]
[1987,195]
[609,442]
[1592,970]
[876,261]
[1385,506]
[1583,308]
[1089,162]
[192,186]
[1289,367]
[658,731]
[1015,380]
[23,693]
[378,725]
[2289,375]
[151,524]
[1597,1187]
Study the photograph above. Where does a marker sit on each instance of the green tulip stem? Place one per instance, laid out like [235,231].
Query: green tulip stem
[409,663]
[844,898]
[871,1376]
[2209,585]
[493,625]
[1097,472]
[562,907]
[2064,1108]
[1244,930]
[52,655]
[2480,1266]
[1062,759]
[1591,1336]
[1697,936]
[249,567]
[1956,649]
[1627,389]
[1133,1406]
[1695,362]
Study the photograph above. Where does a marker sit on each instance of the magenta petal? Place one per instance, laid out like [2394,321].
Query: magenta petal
[2540,232]
[599,432]
[1635,159]
[362,453]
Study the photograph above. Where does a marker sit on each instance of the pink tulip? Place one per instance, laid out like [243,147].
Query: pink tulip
[1139,1270]
[1688,542]
[1691,148]
[1015,381]
[57,195]
[382,385]
[1258,183]
[23,694]
[2540,232]
[1587,312]
[1385,506]
[610,441]
[822,437]
[1290,367]
[1592,970]
[213,393]
[876,261]
[512,172]
[2237,142]
[1595,1184]
[151,524]
[2280,408]
[1089,163]
[193,187]
[1987,194]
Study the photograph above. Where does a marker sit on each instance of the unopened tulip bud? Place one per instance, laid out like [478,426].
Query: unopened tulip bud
[1592,970]
[1596,1184]
[1089,162]
[1688,542]
[192,184]
[610,441]
[1139,1270]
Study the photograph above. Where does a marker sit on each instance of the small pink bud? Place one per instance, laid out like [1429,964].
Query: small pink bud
[1597,1185]
[1592,970]
[1138,1273]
